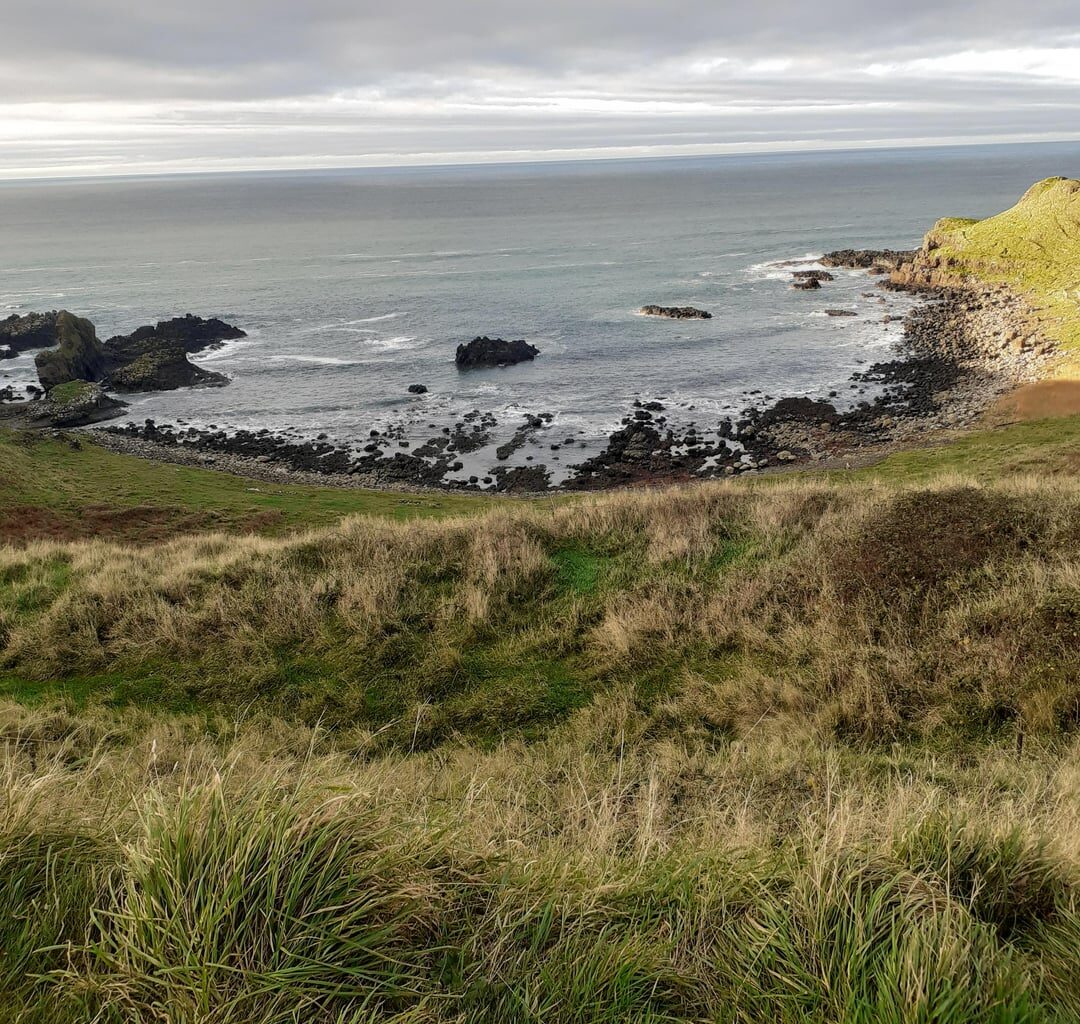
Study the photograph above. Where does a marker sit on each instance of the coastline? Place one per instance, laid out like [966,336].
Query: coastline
[967,346]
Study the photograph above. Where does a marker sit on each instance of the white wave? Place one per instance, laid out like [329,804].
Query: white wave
[403,341]
[780,270]
[319,360]
[372,319]
[224,351]
[349,326]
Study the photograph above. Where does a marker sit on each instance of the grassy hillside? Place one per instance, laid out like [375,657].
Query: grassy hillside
[786,599]
[797,749]
[1035,247]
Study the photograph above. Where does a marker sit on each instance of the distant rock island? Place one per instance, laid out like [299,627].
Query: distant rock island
[485,351]
[676,312]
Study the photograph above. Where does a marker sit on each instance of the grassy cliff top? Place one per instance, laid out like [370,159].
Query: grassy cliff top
[1035,247]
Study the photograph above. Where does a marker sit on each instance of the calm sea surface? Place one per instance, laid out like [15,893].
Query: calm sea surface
[354,285]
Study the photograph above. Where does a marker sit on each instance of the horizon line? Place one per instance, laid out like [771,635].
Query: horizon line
[533,158]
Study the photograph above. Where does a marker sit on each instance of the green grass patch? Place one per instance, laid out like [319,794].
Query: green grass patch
[579,570]
[167,689]
[1047,446]
[52,475]
[72,391]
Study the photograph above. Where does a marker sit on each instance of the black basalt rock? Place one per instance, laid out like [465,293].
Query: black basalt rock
[485,351]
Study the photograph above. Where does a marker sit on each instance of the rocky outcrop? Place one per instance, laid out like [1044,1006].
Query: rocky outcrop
[676,312]
[189,333]
[78,355]
[75,404]
[486,351]
[866,259]
[24,333]
[162,367]
[813,275]
[811,284]
[155,358]
[840,312]
[152,358]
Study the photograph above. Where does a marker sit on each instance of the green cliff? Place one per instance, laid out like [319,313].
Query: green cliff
[1033,248]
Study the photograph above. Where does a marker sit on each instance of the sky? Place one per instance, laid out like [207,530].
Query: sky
[159,86]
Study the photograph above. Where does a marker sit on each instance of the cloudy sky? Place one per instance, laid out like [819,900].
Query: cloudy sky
[133,86]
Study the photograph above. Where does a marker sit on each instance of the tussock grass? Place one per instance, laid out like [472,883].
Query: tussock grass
[616,870]
[868,610]
[784,752]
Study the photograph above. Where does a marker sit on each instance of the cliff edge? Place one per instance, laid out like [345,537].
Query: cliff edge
[1033,248]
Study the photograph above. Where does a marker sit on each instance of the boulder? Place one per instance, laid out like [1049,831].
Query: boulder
[812,275]
[840,312]
[676,312]
[809,285]
[78,356]
[804,410]
[417,389]
[486,351]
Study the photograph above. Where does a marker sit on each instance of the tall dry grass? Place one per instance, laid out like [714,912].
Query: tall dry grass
[872,610]
[620,869]
[788,753]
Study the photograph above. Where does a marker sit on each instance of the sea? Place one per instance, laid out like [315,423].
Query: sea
[354,284]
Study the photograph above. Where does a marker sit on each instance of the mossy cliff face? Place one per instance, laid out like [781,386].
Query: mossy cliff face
[78,356]
[1033,248]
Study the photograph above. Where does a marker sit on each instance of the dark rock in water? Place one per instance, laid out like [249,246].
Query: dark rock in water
[163,367]
[24,333]
[78,356]
[867,259]
[840,312]
[155,358]
[149,359]
[191,333]
[676,312]
[812,275]
[809,285]
[486,351]
[75,404]
[417,389]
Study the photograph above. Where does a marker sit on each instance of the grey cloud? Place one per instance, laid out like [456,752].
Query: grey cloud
[94,84]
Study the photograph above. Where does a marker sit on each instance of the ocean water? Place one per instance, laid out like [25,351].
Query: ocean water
[354,285]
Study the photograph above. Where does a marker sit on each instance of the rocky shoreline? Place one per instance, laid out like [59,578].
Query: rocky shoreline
[964,346]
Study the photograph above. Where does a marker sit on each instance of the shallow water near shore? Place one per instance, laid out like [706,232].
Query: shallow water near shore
[354,285]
